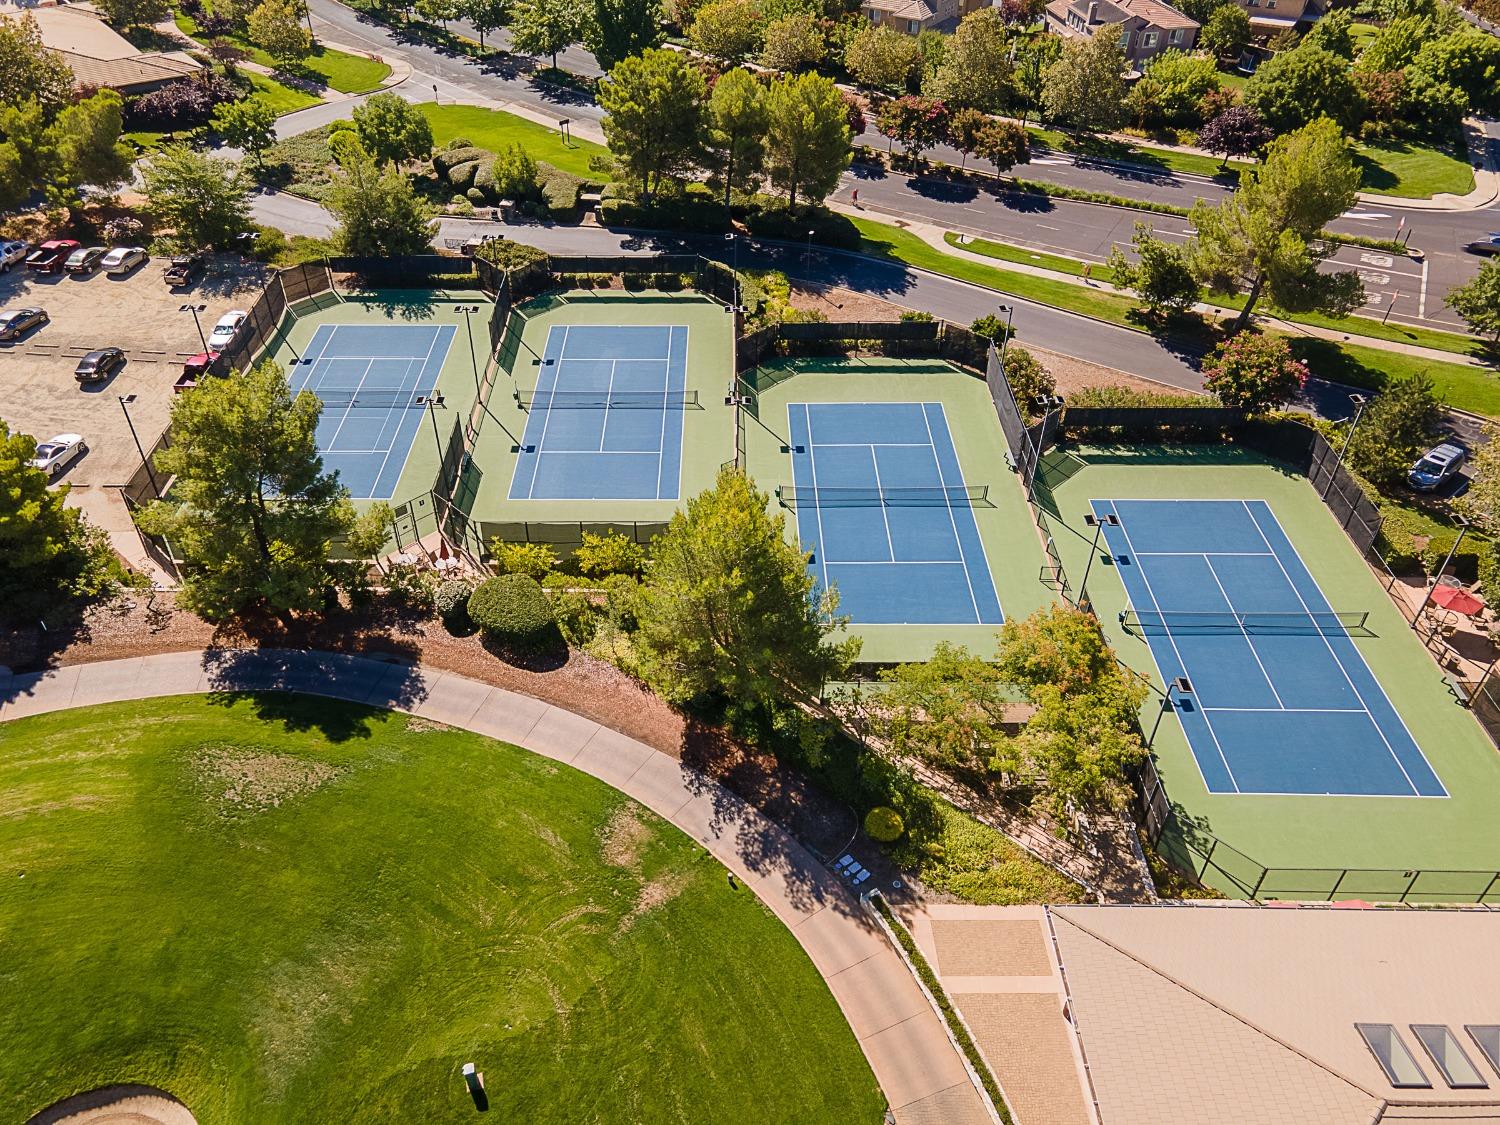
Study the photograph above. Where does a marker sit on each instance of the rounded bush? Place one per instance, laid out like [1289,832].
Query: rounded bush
[884,824]
[512,610]
[451,600]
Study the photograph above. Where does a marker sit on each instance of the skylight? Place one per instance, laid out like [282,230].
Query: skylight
[1394,1057]
[1442,1047]
[1486,1037]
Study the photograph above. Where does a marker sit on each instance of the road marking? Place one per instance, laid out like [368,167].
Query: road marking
[1384,261]
[1422,294]
[1366,215]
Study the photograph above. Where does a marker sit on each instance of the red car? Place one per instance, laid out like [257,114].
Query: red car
[193,371]
[50,256]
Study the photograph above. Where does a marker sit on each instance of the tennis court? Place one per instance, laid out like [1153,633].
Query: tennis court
[374,380]
[605,419]
[882,504]
[1278,698]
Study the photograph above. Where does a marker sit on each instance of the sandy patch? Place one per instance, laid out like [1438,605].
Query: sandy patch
[621,840]
[117,1105]
[417,725]
[837,303]
[243,779]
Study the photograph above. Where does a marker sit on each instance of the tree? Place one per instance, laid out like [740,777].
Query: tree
[1468,59]
[807,137]
[1227,30]
[1297,87]
[1160,275]
[737,129]
[438,11]
[882,58]
[275,26]
[965,128]
[485,15]
[728,30]
[249,125]
[917,122]
[379,212]
[728,606]
[1333,34]
[1383,95]
[1175,84]
[1431,103]
[85,143]
[1395,45]
[1200,10]
[251,508]
[1478,300]
[1266,235]
[976,69]
[134,13]
[1394,429]
[205,200]
[621,29]
[28,70]
[1020,11]
[545,27]
[1060,647]
[49,555]
[948,710]
[392,129]
[27,154]
[1238,131]
[1253,372]
[792,43]
[1085,87]
[1004,144]
[653,109]
[1034,57]
[1481,503]
[1084,747]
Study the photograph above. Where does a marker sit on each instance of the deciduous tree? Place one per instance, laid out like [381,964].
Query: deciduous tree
[917,122]
[976,69]
[620,29]
[1004,144]
[729,608]
[392,129]
[1395,45]
[883,59]
[964,129]
[1468,59]
[134,13]
[275,26]
[1294,88]
[545,27]
[379,212]
[728,30]
[1034,57]
[1395,428]
[28,70]
[1159,275]
[1175,84]
[1253,372]
[947,710]
[205,200]
[1333,33]
[1478,300]
[252,510]
[807,137]
[249,125]
[1226,31]
[1481,503]
[653,104]
[486,15]
[1238,131]
[1085,87]
[792,43]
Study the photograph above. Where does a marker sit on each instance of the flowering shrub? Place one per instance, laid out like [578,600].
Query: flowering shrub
[1253,372]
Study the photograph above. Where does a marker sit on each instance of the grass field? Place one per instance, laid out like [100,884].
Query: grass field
[282,909]
[1152,156]
[1412,171]
[279,96]
[495,130]
[338,70]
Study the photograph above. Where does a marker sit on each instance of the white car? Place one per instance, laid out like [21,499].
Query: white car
[122,259]
[225,331]
[56,454]
[12,254]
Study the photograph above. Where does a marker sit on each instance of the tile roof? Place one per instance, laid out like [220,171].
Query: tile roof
[123,74]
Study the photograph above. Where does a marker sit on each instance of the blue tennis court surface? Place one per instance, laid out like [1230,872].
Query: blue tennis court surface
[373,379]
[882,505]
[1282,702]
[605,421]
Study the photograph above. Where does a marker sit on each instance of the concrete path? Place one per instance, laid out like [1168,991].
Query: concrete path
[922,1076]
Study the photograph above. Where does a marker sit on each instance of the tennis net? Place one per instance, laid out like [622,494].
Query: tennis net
[1230,621]
[954,496]
[610,400]
[370,400]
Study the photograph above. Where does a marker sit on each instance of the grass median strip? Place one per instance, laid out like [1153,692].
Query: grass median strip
[496,130]
[338,70]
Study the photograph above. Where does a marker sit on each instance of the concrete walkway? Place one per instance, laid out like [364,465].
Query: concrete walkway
[922,1076]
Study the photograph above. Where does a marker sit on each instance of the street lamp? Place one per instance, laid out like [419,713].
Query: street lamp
[468,311]
[1463,529]
[1359,401]
[433,402]
[125,401]
[1010,314]
[734,238]
[807,254]
[195,310]
[1098,523]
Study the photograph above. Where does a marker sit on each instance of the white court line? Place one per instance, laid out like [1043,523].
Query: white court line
[1208,554]
[899,562]
[614,366]
[1378,729]
[541,443]
[348,410]
[862,444]
[818,508]
[890,544]
[1293,710]
[1230,603]
[1183,664]
[666,386]
[952,519]
[390,448]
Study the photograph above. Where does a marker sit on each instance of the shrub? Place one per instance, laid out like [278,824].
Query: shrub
[531,559]
[560,190]
[1253,372]
[513,175]
[512,610]
[509,255]
[451,603]
[1028,378]
[991,327]
[916,316]
[603,555]
[1467,560]
[884,824]
[577,617]
[182,104]
[446,159]
[770,218]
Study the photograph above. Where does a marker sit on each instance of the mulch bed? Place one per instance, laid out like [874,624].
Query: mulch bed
[579,683]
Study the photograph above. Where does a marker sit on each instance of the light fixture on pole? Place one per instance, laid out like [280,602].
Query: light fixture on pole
[1010,314]
[1360,402]
[734,238]
[195,310]
[1463,529]
[469,311]
[1098,523]
[807,254]
[125,401]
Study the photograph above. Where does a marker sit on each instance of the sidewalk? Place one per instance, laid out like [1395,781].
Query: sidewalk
[921,1074]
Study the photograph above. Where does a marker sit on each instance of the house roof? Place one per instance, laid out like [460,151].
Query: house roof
[904,9]
[123,74]
[1155,13]
[97,54]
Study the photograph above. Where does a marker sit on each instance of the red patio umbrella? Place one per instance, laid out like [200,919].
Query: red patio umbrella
[1457,599]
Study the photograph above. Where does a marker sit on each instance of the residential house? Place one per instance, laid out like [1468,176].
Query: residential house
[1271,16]
[1146,27]
[915,16]
[98,55]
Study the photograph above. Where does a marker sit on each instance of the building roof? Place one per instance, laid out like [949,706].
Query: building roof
[904,9]
[97,54]
[1154,13]
[123,74]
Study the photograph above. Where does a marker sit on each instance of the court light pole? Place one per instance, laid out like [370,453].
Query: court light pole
[1010,315]
[468,311]
[734,239]
[432,403]
[1360,402]
[195,310]
[1098,523]
[125,401]
[807,254]
[1463,529]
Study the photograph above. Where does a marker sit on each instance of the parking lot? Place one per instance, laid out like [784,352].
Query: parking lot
[139,314]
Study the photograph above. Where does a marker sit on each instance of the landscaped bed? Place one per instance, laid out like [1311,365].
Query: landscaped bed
[496,130]
[280,908]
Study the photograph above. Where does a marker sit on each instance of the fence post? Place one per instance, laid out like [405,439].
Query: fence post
[1337,883]
[1415,875]
[1259,882]
[1484,894]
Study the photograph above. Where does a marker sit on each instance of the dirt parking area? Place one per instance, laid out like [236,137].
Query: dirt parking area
[38,394]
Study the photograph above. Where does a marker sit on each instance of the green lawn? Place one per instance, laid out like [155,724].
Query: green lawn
[279,96]
[338,70]
[495,130]
[1412,171]
[1165,159]
[1040,258]
[284,909]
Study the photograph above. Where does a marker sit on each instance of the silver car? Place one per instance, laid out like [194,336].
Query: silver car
[56,454]
[122,259]
[13,254]
[15,323]
[1437,467]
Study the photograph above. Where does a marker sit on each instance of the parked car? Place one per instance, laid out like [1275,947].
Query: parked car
[85,259]
[225,330]
[1437,467]
[193,371]
[184,269]
[15,323]
[11,253]
[98,365]
[1489,244]
[122,259]
[50,255]
[56,454]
